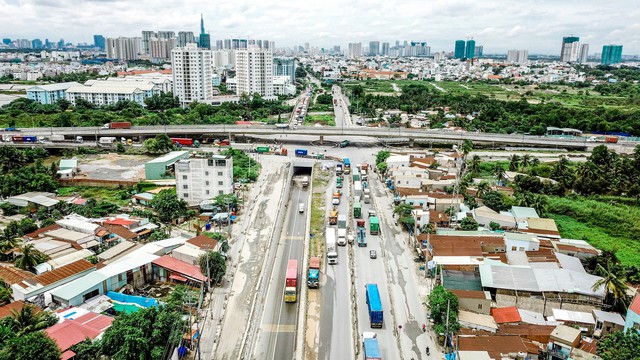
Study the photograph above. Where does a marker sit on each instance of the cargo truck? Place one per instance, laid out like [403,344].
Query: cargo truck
[362,238]
[301,152]
[107,140]
[611,139]
[370,346]
[374,225]
[332,252]
[374,306]
[56,138]
[357,210]
[262,149]
[342,222]
[342,237]
[355,175]
[305,181]
[357,189]
[184,142]
[339,169]
[367,196]
[333,216]
[291,282]
[24,139]
[339,183]
[117,125]
[347,165]
[314,273]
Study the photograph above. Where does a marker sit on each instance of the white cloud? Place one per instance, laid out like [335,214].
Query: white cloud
[499,25]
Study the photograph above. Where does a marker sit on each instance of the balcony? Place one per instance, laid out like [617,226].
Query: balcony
[555,352]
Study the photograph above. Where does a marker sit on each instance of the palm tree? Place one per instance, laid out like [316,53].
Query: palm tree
[499,173]
[7,244]
[29,257]
[535,161]
[466,147]
[483,188]
[403,210]
[615,287]
[474,164]
[526,160]
[28,319]
[514,162]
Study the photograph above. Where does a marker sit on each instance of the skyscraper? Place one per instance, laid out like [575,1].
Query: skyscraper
[385,49]
[98,41]
[192,74]
[570,49]
[611,54]
[146,37]
[205,39]
[124,48]
[36,44]
[517,56]
[459,50]
[374,48]
[254,71]
[6,41]
[583,55]
[166,34]
[355,50]
[285,66]
[470,51]
[185,37]
[161,48]
[479,51]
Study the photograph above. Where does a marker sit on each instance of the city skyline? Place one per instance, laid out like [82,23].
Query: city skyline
[529,25]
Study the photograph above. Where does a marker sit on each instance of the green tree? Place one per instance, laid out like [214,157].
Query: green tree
[439,300]
[30,319]
[87,350]
[382,167]
[31,346]
[5,292]
[168,206]
[382,156]
[615,287]
[474,164]
[620,345]
[514,162]
[213,265]
[535,201]
[466,148]
[29,257]
[494,226]
[469,224]
[499,173]
[494,200]
[158,235]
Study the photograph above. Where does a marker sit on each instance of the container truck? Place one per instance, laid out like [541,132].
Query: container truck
[185,142]
[314,273]
[355,174]
[347,165]
[107,140]
[24,139]
[339,183]
[342,237]
[117,125]
[374,225]
[357,189]
[367,196]
[611,139]
[370,347]
[342,221]
[374,306]
[56,138]
[362,237]
[332,252]
[291,282]
[262,149]
[301,152]
[282,126]
[357,210]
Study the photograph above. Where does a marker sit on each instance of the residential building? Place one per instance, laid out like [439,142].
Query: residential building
[385,49]
[203,178]
[459,51]
[285,66]
[192,72]
[282,86]
[110,92]
[166,35]
[479,51]
[162,167]
[562,340]
[160,49]
[204,39]
[611,54]
[49,94]
[570,49]
[124,48]
[470,50]
[633,315]
[254,71]
[517,56]
[146,38]
[607,322]
[99,41]
[185,37]
[355,50]
[374,48]
[474,300]
[583,55]
[39,284]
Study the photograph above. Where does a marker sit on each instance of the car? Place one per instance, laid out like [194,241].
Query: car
[350,239]
[335,201]
[10,129]
[301,207]
[373,254]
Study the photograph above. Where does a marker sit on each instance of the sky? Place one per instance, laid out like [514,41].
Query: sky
[498,25]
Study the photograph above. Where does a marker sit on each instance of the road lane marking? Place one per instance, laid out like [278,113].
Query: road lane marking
[278,328]
[292,238]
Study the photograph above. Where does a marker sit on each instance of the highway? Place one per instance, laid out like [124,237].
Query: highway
[336,331]
[276,337]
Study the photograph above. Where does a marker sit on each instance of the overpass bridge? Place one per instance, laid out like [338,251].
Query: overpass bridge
[320,133]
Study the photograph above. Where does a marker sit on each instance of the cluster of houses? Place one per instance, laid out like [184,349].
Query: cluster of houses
[95,266]
[522,289]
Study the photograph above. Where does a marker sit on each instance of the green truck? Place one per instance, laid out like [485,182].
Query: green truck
[356,175]
[262,149]
[339,182]
[374,225]
[357,210]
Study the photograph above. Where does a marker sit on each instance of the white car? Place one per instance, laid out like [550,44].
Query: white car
[301,207]
[335,201]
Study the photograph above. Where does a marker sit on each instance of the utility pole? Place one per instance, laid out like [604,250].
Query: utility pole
[446,333]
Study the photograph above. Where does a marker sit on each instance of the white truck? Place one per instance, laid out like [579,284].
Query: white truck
[342,230]
[56,138]
[305,181]
[367,196]
[332,252]
[357,189]
[107,140]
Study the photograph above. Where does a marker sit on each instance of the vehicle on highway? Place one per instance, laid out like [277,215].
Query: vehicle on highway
[339,183]
[347,165]
[350,239]
[362,238]
[372,213]
[301,208]
[332,252]
[24,139]
[314,273]
[370,346]
[374,225]
[117,125]
[335,201]
[373,254]
[301,152]
[357,210]
[10,129]
[333,216]
[305,181]
[374,306]
[282,126]
[344,143]
[339,169]
[291,282]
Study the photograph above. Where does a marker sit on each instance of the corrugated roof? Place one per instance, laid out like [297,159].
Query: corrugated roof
[12,275]
[483,321]
[8,309]
[78,286]
[469,294]
[611,317]
[565,334]
[493,344]
[68,333]
[54,87]
[43,230]
[63,272]
[635,304]
[181,267]
[121,231]
[573,316]
[116,250]
[170,157]
[506,315]
[203,242]
[69,258]
[522,212]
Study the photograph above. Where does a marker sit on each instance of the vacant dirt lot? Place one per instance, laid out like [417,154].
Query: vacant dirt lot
[112,166]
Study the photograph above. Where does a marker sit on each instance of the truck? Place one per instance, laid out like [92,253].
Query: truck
[339,183]
[611,139]
[347,165]
[374,306]
[342,237]
[357,210]
[342,221]
[291,282]
[332,252]
[262,149]
[24,139]
[56,138]
[355,174]
[344,143]
[117,125]
[185,142]
[313,276]
[374,225]
[357,189]
[367,196]
[370,346]
[282,126]
[362,237]
[339,169]
[305,181]
[282,151]
[301,152]
[333,216]
[107,140]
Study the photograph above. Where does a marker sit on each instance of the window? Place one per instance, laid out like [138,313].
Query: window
[209,162]
[220,183]
[479,306]
[206,183]
[220,192]
[207,192]
[513,248]
[219,173]
[119,277]
[185,195]
[206,173]
[184,177]
[185,187]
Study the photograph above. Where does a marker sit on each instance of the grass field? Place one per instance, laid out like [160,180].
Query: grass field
[99,193]
[316,227]
[324,119]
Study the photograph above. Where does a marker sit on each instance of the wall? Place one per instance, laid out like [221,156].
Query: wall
[471,304]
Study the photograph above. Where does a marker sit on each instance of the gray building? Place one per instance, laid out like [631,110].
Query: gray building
[185,37]
[204,178]
[385,49]
[285,66]
[374,48]
[158,168]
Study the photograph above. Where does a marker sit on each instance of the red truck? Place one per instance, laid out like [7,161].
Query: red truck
[611,139]
[182,141]
[117,125]
[291,282]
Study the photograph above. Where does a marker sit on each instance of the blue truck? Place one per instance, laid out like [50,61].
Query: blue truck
[301,152]
[362,238]
[374,306]
[314,273]
[371,348]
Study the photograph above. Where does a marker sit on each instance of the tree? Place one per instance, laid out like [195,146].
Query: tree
[30,319]
[499,173]
[494,226]
[382,156]
[382,167]
[168,206]
[35,345]
[469,224]
[526,160]
[466,147]
[474,164]
[213,265]
[535,201]
[620,345]
[5,292]
[439,300]
[483,188]
[158,235]
[514,162]
[615,288]
[29,257]
[494,200]
[87,350]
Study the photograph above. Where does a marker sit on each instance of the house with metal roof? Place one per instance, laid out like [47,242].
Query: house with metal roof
[34,199]
[39,284]
[167,268]
[607,322]
[633,315]
[157,168]
[49,94]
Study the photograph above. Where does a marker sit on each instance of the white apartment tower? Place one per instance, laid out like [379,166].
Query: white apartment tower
[204,178]
[517,56]
[192,74]
[583,55]
[254,71]
[124,48]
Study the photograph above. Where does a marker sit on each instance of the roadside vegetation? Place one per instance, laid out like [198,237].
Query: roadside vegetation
[319,181]
[324,119]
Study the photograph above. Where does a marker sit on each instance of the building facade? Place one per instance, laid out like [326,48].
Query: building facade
[374,48]
[458,53]
[192,72]
[185,37]
[124,48]
[285,66]
[517,56]
[254,71]
[583,55]
[470,50]
[355,50]
[199,179]
[611,54]
[99,41]
[570,49]
[49,94]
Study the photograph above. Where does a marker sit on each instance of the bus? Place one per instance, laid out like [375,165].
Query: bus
[347,165]
[291,282]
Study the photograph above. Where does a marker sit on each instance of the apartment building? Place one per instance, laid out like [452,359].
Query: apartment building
[192,74]
[254,71]
[203,178]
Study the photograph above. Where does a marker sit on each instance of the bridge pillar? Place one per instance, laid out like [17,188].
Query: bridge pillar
[321,139]
[411,142]
[141,138]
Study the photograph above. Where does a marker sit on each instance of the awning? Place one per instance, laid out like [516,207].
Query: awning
[178,278]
